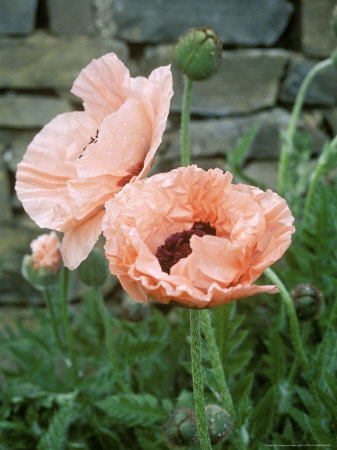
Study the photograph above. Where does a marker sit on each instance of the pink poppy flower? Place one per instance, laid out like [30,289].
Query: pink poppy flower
[81,159]
[192,237]
[46,252]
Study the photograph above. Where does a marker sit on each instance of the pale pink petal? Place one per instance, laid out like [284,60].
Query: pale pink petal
[46,252]
[78,241]
[161,92]
[90,194]
[102,85]
[278,229]
[213,259]
[48,164]
[123,141]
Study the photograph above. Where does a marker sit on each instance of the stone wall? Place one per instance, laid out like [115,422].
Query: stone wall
[269,45]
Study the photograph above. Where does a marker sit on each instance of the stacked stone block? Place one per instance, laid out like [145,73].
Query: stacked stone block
[268,47]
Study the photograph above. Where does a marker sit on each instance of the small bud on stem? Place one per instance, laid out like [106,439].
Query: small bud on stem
[181,428]
[220,423]
[308,301]
[198,53]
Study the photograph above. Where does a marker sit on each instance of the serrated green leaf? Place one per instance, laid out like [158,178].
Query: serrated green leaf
[56,436]
[133,409]
[238,339]
[307,398]
[138,349]
[8,425]
[241,397]
[321,435]
[299,417]
[237,361]
[276,359]
[330,381]
[263,416]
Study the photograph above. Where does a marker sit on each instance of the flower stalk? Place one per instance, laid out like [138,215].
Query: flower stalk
[69,335]
[198,388]
[293,321]
[288,141]
[185,118]
[51,311]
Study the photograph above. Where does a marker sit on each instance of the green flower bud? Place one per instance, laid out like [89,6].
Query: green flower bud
[41,278]
[94,270]
[181,428]
[198,53]
[220,423]
[308,301]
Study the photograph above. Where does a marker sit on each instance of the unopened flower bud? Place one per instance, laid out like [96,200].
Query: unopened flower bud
[94,270]
[42,278]
[42,266]
[308,301]
[198,53]
[220,423]
[181,428]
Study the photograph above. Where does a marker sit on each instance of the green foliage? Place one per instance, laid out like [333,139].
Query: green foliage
[275,401]
[55,438]
[135,409]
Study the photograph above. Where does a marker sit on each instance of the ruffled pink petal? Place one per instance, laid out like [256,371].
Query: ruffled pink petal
[278,230]
[79,240]
[160,94]
[48,164]
[123,141]
[102,85]
[213,260]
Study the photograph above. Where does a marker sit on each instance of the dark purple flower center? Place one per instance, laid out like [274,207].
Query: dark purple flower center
[177,246]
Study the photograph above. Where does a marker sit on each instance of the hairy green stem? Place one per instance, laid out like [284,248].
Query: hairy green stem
[69,335]
[185,119]
[320,166]
[216,361]
[109,342]
[293,321]
[198,388]
[57,336]
[287,145]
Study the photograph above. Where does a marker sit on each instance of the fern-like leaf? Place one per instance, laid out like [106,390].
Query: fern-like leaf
[134,409]
[56,436]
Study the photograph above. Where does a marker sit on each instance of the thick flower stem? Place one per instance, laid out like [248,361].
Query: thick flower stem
[109,342]
[198,389]
[216,361]
[287,145]
[53,319]
[185,119]
[66,322]
[295,331]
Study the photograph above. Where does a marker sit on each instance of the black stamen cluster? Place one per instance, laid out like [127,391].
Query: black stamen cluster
[177,246]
